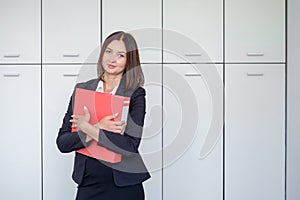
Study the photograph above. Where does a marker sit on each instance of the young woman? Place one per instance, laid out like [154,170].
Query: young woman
[119,72]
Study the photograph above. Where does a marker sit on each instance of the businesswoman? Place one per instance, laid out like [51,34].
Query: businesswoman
[120,73]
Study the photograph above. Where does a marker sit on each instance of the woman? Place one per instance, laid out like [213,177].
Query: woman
[120,73]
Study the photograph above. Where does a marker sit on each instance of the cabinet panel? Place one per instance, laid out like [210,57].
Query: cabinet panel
[20,38]
[293,98]
[58,81]
[197,27]
[254,132]
[71,31]
[151,145]
[188,114]
[255,31]
[20,132]
[141,18]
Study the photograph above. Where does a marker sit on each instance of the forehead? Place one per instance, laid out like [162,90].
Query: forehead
[117,45]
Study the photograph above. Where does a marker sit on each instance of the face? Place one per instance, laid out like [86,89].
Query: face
[114,58]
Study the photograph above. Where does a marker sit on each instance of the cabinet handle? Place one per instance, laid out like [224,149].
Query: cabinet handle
[11,55]
[255,74]
[69,54]
[11,74]
[70,75]
[255,54]
[193,74]
[193,54]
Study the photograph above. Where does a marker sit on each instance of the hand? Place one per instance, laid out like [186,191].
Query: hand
[107,123]
[80,120]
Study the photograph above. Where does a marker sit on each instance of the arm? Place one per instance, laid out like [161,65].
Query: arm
[126,144]
[66,140]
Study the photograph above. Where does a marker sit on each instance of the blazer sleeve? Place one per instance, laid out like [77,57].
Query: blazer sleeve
[128,143]
[66,140]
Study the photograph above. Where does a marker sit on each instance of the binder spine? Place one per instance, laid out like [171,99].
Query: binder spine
[125,110]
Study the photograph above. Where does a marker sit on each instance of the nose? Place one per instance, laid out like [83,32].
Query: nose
[113,57]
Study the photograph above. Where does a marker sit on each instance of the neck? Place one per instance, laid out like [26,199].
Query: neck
[110,81]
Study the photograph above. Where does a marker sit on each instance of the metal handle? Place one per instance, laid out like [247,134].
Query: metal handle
[193,74]
[255,74]
[11,74]
[70,75]
[70,54]
[256,54]
[11,55]
[193,54]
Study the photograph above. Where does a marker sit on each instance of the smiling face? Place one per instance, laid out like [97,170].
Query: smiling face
[114,58]
[119,56]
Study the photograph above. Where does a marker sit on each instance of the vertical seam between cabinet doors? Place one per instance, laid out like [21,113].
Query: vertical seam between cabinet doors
[162,99]
[41,74]
[285,109]
[100,20]
[223,88]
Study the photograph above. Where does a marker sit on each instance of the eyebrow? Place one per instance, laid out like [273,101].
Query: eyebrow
[117,51]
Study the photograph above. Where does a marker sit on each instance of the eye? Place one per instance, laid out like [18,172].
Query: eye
[121,55]
[107,51]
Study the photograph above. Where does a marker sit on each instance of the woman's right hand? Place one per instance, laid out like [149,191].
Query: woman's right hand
[107,123]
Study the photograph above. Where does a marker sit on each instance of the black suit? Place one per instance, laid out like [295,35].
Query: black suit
[131,170]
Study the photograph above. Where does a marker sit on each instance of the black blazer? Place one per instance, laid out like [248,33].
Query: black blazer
[131,170]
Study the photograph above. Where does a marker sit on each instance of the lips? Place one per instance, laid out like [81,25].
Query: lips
[111,66]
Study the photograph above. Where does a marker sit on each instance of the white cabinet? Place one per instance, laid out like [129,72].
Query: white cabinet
[255,31]
[20,36]
[188,106]
[71,31]
[293,99]
[151,145]
[20,150]
[141,18]
[195,30]
[58,84]
[254,132]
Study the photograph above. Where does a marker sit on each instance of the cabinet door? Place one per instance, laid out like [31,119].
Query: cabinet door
[255,31]
[293,106]
[58,85]
[196,30]
[71,31]
[20,23]
[20,150]
[188,114]
[141,18]
[151,145]
[254,132]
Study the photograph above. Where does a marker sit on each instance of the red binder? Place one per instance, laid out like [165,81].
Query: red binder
[100,105]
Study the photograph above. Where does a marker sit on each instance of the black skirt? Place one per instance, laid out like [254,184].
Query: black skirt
[98,184]
[109,191]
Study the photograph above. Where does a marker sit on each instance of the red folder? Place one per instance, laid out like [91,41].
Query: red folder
[100,105]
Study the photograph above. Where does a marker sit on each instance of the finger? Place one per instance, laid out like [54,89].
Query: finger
[86,110]
[75,116]
[119,123]
[112,116]
[73,120]
[117,131]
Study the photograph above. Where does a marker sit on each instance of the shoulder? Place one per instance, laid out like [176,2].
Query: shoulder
[140,91]
[88,84]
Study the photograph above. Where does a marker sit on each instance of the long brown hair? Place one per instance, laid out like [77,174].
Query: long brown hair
[133,71]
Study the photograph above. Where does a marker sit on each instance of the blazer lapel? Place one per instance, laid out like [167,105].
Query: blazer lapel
[93,84]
